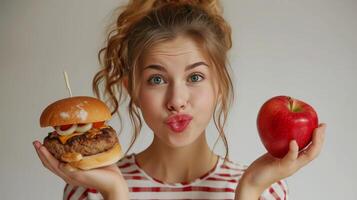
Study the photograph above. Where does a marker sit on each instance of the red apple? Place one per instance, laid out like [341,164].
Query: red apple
[282,119]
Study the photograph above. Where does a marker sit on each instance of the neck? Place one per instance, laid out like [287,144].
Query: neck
[175,165]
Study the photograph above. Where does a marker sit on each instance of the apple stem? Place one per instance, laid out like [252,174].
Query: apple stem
[291,103]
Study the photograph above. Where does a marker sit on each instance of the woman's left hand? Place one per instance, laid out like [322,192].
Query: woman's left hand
[267,169]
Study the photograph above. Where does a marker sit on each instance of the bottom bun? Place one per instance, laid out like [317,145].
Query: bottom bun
[108,157]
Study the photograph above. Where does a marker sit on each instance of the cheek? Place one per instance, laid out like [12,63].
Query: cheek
[149,96]
[203,101]
[150,104]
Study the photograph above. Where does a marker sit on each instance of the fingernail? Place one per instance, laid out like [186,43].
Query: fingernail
[36,144]
[293,143]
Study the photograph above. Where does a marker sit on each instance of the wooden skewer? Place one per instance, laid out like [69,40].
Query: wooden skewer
[67,82]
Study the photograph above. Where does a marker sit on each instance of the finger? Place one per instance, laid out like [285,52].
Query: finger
[49,161]
[317,139]
[323,126]
[54,163]
[293,152]
[313,150]
[67,168]
[45,162]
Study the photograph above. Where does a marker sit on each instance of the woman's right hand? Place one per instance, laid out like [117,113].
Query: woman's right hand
[107,180]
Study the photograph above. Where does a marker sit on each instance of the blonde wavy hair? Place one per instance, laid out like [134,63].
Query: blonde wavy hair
[143,23]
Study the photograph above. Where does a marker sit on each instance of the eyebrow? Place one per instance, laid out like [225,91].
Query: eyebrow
[188,67]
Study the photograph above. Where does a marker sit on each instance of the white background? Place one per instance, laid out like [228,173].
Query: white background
[305,49]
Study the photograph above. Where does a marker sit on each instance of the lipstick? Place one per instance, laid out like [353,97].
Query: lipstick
[178,123]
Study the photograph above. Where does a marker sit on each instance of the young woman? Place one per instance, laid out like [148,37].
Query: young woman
[170,59]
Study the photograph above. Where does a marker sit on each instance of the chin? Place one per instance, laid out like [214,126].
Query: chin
[183,140]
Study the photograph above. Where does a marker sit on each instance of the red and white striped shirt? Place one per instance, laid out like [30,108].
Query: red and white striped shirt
[218,183]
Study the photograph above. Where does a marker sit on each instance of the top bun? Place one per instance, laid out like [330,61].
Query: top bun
[75,110]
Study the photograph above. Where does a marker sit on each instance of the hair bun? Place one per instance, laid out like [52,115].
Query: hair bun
[211,6]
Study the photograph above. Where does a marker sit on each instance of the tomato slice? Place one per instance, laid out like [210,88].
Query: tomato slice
[53,133]
[98,124]
[65,127]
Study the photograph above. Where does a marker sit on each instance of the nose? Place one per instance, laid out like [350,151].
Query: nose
[177,98]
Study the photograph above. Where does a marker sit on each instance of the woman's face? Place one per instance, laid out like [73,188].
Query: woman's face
[168,87]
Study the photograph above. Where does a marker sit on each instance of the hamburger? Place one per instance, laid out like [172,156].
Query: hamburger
[81,136]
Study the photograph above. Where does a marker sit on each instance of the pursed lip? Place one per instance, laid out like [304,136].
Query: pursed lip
[177,118]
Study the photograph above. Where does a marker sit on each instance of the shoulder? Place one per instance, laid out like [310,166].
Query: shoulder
[127,161]
[230,168]
[232,165]
[127,165]
[225,175]
[278,190]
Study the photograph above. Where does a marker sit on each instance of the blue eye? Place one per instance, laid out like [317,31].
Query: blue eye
[196,75]
[156,79]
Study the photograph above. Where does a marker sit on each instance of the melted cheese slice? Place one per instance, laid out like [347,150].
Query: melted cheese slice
[64,138]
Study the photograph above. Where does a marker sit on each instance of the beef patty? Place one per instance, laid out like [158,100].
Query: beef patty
[85,144]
